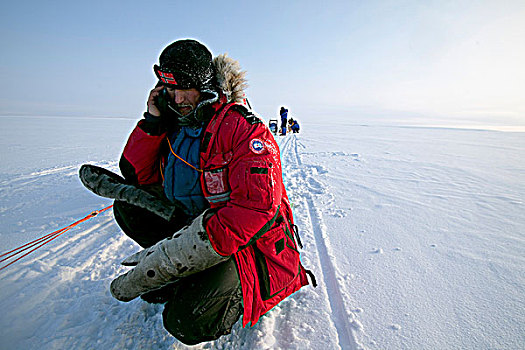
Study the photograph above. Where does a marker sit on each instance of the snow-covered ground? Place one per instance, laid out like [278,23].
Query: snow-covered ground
[416,237]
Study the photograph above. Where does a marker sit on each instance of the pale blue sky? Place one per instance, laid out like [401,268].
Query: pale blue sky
[441,60]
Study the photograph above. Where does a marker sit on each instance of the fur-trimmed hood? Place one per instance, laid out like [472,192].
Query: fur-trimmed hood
[231,80]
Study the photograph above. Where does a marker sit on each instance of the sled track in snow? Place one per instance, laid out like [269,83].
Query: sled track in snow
[343,322]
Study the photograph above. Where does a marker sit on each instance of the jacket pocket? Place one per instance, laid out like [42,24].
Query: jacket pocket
[276,260]
[216,184]
[215,181]
[262,185]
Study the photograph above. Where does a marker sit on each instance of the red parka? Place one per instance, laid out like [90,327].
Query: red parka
[241,178]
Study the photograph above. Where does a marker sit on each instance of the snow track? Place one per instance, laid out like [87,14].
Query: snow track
[343,322]
[305,188]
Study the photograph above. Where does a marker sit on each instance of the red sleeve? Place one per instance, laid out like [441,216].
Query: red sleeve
[255,179]
[142,152]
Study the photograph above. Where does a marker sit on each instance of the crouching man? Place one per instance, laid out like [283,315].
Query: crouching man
[203,194]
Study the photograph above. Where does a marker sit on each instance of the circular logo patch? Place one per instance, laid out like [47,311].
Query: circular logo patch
[257,146]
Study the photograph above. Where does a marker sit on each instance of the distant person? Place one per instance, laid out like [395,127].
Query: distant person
[284,116]
[203,194]
[294,125]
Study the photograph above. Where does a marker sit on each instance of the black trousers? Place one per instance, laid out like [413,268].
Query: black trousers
[201,307]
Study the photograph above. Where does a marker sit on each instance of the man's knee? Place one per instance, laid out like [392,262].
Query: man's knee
[203,324]
[205,306]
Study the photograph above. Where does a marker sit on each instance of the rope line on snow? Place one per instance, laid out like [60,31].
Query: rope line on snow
[39,242]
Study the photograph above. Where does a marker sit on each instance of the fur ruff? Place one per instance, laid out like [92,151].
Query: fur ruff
[230,79]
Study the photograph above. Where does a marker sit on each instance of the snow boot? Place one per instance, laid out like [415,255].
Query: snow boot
[110,185]
[188,251]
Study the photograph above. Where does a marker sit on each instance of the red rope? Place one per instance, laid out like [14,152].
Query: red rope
[39,242]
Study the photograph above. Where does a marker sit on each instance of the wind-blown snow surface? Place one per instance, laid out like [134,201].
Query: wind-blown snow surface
[416,237]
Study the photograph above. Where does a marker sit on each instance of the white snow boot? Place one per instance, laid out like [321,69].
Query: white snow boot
[187,252]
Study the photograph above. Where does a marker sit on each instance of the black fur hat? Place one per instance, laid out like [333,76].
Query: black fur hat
[186,64]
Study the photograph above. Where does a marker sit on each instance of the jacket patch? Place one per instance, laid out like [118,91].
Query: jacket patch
[257,146]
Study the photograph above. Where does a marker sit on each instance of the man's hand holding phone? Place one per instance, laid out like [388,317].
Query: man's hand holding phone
[153,107]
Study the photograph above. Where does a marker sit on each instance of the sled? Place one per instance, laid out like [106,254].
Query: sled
[272,125]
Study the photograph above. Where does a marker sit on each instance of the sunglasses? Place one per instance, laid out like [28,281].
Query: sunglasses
[173,78]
